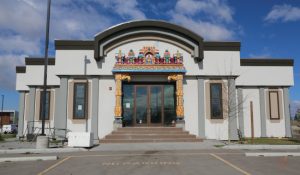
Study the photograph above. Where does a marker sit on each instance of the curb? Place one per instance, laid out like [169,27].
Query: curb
[47,150]
[21,159]
[272,154]
[258,147]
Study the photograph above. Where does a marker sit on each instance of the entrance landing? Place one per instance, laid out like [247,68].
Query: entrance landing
[149,134]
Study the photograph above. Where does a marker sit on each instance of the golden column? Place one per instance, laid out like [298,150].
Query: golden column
[118,108]
[179,94]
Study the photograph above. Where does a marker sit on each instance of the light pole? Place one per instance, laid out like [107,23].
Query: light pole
[45,68]
[2,112]
[42,141]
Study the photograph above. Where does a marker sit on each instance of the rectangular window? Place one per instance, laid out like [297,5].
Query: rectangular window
[216,101]
[80,101]
[274,105]
[47,114]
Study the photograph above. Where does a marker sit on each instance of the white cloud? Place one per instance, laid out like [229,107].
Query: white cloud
[216,9]
[127,9]
[218,23]
[283,13]
[18,44]
[22,29]
[21,18]
[8,65]
[260,55]
[208,30]
[265,53]
[77,21]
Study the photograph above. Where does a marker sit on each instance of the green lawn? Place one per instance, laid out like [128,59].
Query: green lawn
[6,136]
[271,141]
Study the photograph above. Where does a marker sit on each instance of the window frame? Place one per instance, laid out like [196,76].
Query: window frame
[85,100]
[41,105]
[278,105]
[221,101]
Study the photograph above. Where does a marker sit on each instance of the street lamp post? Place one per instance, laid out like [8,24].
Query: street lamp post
[2,112]
[42,141]
[45,69]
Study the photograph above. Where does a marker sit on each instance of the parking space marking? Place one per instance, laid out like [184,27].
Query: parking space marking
[164,154]
[137,163]
[53,166]
[230,164]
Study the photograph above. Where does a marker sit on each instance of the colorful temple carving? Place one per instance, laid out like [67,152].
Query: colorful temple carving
[148,55]
[149,60]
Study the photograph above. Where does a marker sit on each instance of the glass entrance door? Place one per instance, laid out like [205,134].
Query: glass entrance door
[155,105]
[148,105]
[141,105]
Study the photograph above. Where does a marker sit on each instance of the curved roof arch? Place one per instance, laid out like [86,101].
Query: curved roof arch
[148,28]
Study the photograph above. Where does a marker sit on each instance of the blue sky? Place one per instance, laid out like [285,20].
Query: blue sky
[265,28]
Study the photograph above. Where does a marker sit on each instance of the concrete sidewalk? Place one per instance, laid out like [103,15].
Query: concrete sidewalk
[261,147]
[25,147]
[42,151]
[206,144]
[22,159]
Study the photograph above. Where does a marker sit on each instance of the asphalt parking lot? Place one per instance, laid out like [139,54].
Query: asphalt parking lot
[156,162]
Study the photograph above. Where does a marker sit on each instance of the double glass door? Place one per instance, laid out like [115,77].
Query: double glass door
[145,105]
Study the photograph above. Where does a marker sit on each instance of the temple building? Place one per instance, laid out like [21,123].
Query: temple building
[156,74]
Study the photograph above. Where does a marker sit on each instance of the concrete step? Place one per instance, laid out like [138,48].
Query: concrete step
[148,136]
[147,132]
[139,129]
[149,140]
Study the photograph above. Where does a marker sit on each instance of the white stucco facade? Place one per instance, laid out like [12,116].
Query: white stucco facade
[205,63]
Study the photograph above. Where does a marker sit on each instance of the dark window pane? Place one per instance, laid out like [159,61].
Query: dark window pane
[169,104]
[79,100]
[141,104]
[128,104]
[47,113]
[216,100]
[156,103]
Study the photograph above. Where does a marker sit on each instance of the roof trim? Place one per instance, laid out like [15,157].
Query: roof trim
[74,44]
[266,62]
[222,46]
[39,61]
[147,26]
[20,69]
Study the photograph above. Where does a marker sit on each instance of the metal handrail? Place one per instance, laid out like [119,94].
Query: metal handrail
[36,130]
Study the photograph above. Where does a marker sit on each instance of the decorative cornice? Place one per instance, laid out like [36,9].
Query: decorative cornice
[21,69]
[222,46]
[266,62]
[74,44]
[39,61]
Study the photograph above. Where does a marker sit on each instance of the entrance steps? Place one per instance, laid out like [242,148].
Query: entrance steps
[149,134]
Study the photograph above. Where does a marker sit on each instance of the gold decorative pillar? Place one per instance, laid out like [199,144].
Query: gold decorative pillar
[179,94]
[118,108]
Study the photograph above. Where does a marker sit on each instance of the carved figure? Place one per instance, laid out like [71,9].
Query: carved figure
[167,56]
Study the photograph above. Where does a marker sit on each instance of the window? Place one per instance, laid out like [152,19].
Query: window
[216,101]
[274,105]
[47,114]
[80,101]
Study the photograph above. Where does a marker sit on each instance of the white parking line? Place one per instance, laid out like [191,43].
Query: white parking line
[53,166]
[230,164]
